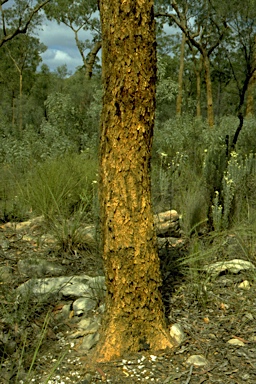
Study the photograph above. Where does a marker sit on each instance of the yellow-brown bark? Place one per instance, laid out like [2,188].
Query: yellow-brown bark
[134,318]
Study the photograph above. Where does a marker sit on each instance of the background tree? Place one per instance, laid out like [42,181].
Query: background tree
[180,78]
[17,16]
[79,16]
[205,33]
[134,318]
[25,56]
[18,62]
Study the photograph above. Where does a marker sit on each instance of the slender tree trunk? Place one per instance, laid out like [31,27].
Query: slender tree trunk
[250,97]
[20,103]
[198,71]
[91,59]
[198,95]
[134,318]
[180,77]
[20,72]
[13,110]
[210,113]
[251,86]
[88,62]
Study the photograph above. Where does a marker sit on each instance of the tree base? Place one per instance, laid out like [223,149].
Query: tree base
[114,344]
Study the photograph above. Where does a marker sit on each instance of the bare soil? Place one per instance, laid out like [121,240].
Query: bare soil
[210,312]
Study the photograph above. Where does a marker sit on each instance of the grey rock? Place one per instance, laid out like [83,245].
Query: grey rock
[84,323]
[70,286]
[167,223]
[232,266]
[163,217]
[93,327]
[101,309]
[87,329]
[97,282]
[176,332]
[236,342]
[97,288]
[197,361]
[83,305]
[64,312]
[89,341]
[39,268]
[244,285]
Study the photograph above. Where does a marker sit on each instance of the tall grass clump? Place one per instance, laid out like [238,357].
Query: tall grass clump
[12,208]
[59,187]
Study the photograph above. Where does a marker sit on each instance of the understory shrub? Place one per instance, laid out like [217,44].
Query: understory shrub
[194,172]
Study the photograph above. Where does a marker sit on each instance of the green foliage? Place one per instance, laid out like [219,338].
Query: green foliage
[167,88]
[76,113]
[32,147]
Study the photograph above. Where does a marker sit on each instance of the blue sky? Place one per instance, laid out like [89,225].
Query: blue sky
[60,42]
[61,46]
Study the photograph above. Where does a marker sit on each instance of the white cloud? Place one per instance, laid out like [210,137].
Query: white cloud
[55,58]
[61,46]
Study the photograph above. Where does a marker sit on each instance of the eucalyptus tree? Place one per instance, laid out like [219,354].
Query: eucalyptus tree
[204,27]
[17,16]
[20,58]
[251,84]
[241,51]
[134,317]
[79,16]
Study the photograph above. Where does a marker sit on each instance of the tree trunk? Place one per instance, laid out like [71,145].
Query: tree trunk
[198,94]
[180,78]
[89,63]
[20,103]
[251,85]
[210,113]
[250,97]
[13,110]
[198,71]
[134,318]
[90,60]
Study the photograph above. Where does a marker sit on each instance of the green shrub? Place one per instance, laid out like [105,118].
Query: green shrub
[192,173]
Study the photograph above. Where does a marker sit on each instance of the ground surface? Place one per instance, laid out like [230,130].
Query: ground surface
[210,312]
